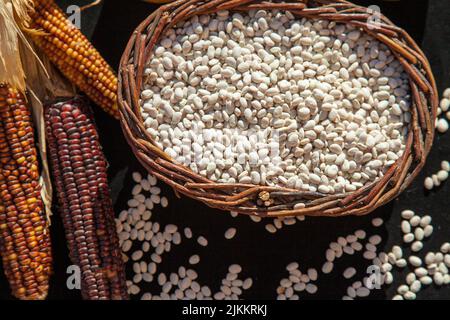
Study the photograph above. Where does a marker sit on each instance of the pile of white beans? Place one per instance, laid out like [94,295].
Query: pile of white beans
[268,99]
[146,243]
[437,179]
[422,270]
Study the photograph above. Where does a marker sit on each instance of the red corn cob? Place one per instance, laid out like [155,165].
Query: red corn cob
[79,172]
[24,236]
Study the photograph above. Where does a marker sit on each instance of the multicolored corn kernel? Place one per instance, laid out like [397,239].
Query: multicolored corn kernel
[24,234]
[75,56]
[79,173]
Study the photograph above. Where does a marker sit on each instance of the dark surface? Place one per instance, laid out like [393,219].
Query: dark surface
[262,255]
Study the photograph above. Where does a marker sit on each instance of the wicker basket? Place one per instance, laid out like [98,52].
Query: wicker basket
[277,201]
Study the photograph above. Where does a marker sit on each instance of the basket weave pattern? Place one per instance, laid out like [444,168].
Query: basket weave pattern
[269,201]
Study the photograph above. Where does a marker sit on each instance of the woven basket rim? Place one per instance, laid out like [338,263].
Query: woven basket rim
[281,202]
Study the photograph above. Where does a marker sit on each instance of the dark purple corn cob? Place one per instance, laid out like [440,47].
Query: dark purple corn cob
[79,174]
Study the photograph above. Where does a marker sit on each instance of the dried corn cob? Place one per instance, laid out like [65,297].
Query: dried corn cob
[74,55]
[24,235]
[79,171]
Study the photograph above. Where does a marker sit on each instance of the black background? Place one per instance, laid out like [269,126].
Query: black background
[264,256]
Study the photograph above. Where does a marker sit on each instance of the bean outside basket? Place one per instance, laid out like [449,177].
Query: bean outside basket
[268,201]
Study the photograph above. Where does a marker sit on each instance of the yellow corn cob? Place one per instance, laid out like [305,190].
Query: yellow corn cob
[74,55]
[24,236]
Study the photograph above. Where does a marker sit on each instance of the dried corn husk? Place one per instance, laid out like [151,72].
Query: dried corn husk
[42,88]
[13,19]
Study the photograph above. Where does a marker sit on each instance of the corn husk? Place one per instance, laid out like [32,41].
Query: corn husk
[13,19]
[41,89]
